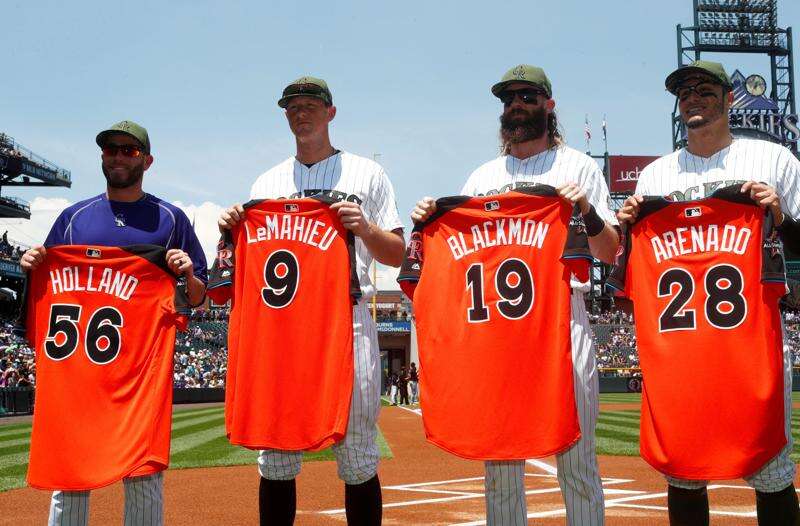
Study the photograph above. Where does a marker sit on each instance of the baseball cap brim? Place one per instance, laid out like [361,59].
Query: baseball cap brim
[500,86]
[674,79]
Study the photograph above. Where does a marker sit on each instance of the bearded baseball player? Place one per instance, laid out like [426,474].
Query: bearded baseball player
[367,209]
[533,151]
[713,158]
[125,215]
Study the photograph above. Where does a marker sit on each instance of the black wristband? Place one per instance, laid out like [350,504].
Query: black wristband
[594,223]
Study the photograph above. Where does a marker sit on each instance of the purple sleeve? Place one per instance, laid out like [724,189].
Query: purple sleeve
[58,234]
[186,240]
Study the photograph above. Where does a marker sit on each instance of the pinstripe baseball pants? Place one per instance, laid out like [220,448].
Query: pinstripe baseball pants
[779,472]
[144,503]
[578,474]
[357,454]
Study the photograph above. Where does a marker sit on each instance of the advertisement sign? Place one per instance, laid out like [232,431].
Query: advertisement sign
[394,326]
[624,171]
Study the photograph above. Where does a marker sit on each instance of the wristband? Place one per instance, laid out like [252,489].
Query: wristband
[593,222]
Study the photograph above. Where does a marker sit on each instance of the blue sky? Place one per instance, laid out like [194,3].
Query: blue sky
[410,81]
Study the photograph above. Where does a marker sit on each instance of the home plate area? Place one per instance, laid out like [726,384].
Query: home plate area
[634,493]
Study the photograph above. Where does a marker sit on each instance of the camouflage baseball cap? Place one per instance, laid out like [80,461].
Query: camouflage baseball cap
[524,73]
[713,70]
[306,87]
[128,128]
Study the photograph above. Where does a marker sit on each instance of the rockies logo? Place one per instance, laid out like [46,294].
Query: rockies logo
[519,72]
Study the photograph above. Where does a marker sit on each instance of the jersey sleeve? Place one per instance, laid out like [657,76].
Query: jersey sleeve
[772,265]
[220,283]
[576,248]
[383,205]
[411,269]
[617,280]
[597,194]
[186,240]
[58,232]
[789,186]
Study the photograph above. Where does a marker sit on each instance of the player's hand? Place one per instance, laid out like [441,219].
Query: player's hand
[423,210]
[179,262]
[575,195]
[352,218]
[230,218]
[630,209]
[766,197]
[32,258]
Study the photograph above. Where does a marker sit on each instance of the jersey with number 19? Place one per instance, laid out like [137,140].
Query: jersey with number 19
[705,277]
[102,321]
[289,268]
[490,283]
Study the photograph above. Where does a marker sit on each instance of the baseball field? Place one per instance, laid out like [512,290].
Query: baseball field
[209,480]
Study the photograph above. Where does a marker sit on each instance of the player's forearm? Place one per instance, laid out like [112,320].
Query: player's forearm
[195,290]
[386,247]
[604,245]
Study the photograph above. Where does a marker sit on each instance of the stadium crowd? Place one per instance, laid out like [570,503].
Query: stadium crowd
[201,353]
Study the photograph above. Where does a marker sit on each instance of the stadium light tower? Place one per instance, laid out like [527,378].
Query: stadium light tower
[746,26]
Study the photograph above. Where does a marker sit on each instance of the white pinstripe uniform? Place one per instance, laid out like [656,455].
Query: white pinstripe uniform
[578,474]
[363,181]
[683,176]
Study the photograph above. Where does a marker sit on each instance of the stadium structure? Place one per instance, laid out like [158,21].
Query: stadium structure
[19,166]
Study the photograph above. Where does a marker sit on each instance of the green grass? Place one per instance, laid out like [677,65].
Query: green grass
[198,440]
[618,431]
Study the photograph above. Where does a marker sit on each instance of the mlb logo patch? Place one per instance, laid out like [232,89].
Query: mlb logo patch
[93,253]
[291,207]
[490,206]
[693,212]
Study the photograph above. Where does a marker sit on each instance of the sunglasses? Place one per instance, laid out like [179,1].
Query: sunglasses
[127,150]
[528,96]
[702,90]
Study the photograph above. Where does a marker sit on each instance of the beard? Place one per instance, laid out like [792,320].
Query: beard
[126,179]
[717,113]
[517,126]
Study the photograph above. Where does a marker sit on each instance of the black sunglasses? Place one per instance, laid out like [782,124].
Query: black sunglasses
[528,96]
[128,150]
[703,90]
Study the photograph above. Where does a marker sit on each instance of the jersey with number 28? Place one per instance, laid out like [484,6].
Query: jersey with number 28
[289,268]
[102,321]
[705,277]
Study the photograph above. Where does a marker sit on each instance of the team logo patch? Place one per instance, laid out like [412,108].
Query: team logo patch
[119,219]
[93,253]
[693,212]
[519,72]
[773,244]
[490,206]
[291,207]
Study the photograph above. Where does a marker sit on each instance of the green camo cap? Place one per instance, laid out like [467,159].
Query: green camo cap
[128,128]
[524,73]
[706,68]
[306,87]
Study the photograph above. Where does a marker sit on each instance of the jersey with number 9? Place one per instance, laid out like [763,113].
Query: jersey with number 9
[289,269]
[705,278]
[102,321]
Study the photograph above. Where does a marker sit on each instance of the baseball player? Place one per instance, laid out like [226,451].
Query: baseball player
[771,174]
[367,208]
[533,151]
[125,215]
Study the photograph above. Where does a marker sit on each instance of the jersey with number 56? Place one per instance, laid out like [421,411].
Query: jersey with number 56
[102,322]
[705,277]
[289,269]
[490,282]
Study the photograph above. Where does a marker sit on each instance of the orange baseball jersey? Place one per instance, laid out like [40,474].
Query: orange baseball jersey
[289,268]
[705,277]
[102,321]
[489,279]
